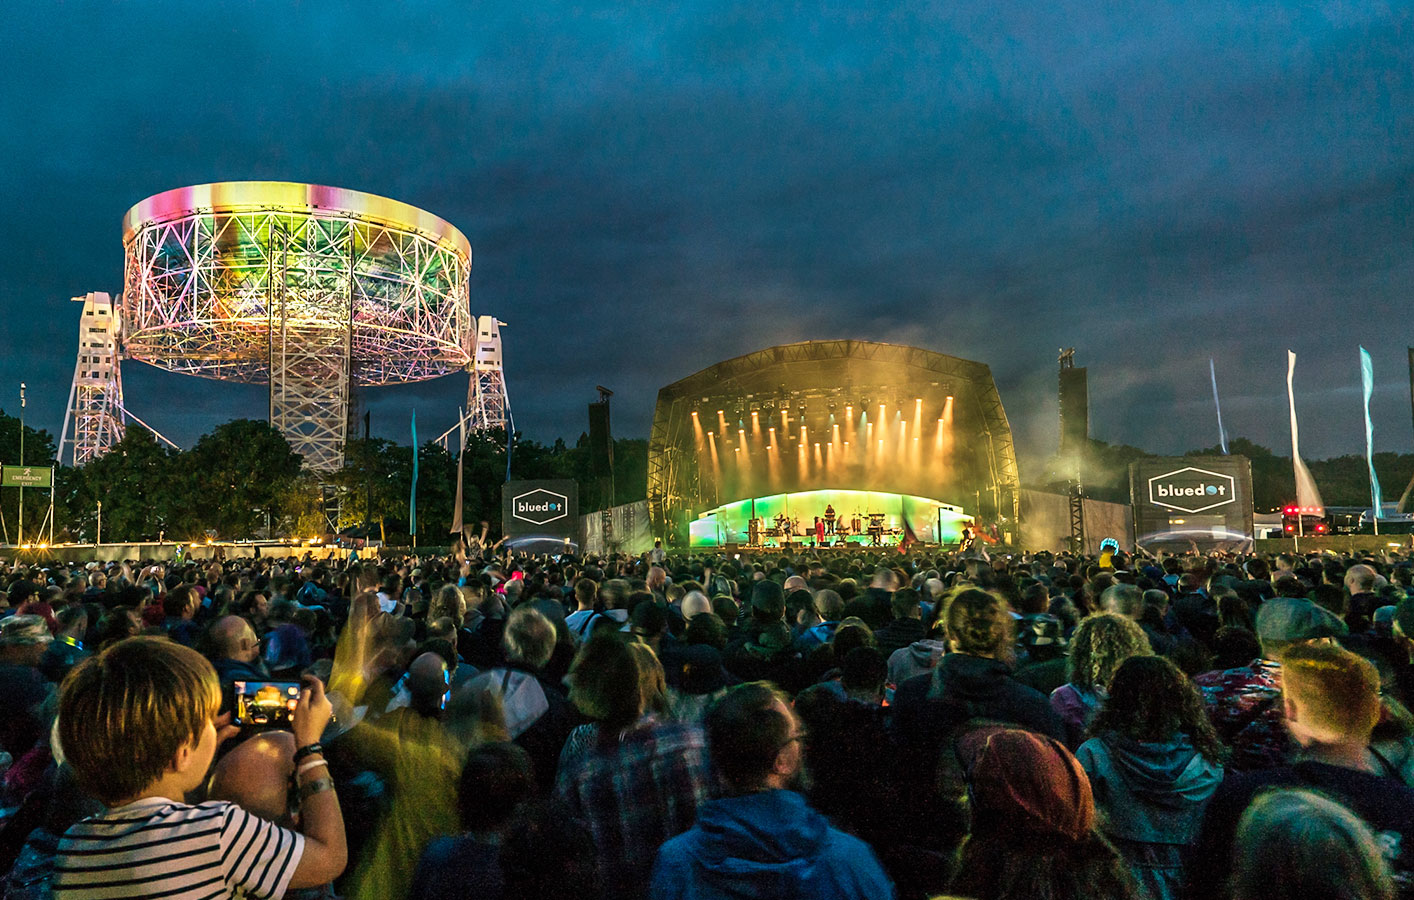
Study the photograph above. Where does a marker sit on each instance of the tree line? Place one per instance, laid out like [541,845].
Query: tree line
[242,481]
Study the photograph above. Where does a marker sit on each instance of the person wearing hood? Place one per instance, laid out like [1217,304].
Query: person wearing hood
[761,839]
[1153,764]
[972,682]
[763,647]
[918,658]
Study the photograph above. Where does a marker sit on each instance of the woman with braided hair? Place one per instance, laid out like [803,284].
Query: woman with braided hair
[972,682]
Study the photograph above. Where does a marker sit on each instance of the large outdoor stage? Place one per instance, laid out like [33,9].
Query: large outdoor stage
[883,444]
[829,518]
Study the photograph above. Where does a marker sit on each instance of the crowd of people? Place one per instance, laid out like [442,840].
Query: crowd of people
[488,725]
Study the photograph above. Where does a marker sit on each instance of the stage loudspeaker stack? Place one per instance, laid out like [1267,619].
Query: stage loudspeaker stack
[1074,409]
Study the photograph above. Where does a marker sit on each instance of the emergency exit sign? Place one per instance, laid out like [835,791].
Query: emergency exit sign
[26,476]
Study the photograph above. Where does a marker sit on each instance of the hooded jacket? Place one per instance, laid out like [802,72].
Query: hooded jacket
[929,708]
[898,634]
[918,658]
[1153,793]
[769,844]
[1153,796]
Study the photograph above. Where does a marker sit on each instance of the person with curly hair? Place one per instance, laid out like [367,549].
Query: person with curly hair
[1154,761]
[1101,642]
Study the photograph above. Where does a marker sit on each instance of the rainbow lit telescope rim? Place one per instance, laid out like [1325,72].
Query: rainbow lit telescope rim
[211,269]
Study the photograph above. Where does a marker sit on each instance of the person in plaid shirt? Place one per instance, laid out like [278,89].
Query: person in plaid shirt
[1244,704]
[641,779]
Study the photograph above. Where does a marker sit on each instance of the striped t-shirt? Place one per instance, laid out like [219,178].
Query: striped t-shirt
[161,848]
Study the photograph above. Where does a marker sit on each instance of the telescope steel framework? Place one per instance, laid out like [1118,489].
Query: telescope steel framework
[96,395]
[95,418]
[310,289]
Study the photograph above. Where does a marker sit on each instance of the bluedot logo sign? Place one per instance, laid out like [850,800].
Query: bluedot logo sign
[540,507]
[1192,490]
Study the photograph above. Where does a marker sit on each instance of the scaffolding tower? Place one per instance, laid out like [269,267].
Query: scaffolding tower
[94,412]
[487,406]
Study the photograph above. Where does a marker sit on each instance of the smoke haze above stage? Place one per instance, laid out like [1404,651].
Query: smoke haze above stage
[831,415]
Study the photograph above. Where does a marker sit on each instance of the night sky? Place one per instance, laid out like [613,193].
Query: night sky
[650,188]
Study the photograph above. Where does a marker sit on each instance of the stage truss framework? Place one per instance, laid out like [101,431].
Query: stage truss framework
[674,485]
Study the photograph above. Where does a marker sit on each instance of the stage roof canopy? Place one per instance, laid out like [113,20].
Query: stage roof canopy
[851,415]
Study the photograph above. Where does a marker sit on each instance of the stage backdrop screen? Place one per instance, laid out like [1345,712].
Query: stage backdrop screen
[546,510]
[1183,500]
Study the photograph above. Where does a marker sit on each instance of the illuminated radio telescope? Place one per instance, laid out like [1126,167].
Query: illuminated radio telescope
[310,289]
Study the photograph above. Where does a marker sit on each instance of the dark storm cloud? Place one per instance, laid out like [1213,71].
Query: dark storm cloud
[652,188]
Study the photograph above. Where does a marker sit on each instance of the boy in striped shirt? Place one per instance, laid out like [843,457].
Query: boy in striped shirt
[137,723]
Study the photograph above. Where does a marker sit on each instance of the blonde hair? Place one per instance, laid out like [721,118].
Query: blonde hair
[651,680]
[1338,691]
[529,637]
[125,713]
[1101,642]
[448,602]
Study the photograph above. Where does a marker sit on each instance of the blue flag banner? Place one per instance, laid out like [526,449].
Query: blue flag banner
[412,499]
[1367,381]
[1222,434]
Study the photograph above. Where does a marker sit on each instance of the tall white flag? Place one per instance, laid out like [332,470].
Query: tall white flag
[457,526]
[1307,497]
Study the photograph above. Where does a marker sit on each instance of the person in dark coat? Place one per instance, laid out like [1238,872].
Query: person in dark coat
[907,625]
[972,681]
[875,605]
[971,686]
[762,839]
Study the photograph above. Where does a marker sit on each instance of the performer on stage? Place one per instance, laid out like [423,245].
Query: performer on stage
[967,541]
[829,518]
[819,532]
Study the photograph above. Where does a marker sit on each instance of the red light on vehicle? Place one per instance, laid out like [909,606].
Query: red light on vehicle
[1291,528]
[1320,528]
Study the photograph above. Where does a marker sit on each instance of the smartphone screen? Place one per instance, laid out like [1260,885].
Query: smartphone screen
[265,704]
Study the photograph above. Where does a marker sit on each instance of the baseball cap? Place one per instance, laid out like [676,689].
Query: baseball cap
[1291,619]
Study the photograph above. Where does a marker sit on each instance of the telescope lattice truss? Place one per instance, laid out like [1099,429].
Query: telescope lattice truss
[96,395]
[487,406]
[307,288]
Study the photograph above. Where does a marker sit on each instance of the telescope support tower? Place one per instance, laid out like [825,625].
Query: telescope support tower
[96,395]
